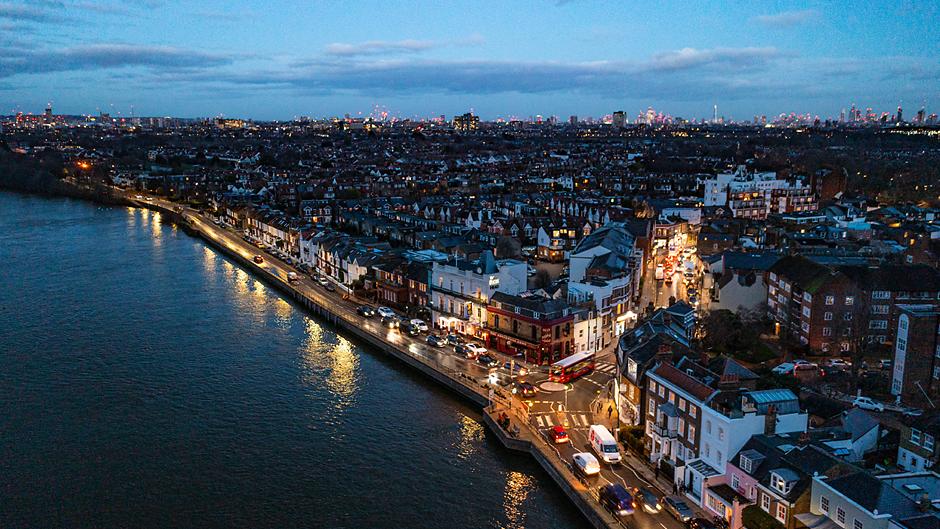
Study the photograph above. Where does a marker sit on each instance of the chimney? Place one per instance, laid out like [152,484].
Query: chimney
[770,420]
[664,354]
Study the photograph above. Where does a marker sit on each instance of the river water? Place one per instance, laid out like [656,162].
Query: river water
[146,381]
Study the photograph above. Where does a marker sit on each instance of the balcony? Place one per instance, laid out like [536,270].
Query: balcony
[664,431]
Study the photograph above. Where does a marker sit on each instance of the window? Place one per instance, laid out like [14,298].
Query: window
[682,404]
[879,309]
[765,502]
[652,407]
[652,386]
[708,450]
[691,434]
[827,316]
[878,324]
[827,331]
[681,426]
[782,512]
[721,433]
[735,482]
[693,411]
[746,464]
[804,326]
[807,297]
[928,441]
[936,372]
[824,504]
[830,300]
[662,390]
[849,300]
[847,316]
[915,436]
[708,427]
[806,311]
[881,294]
[840,516]
[779,483]
[858,524]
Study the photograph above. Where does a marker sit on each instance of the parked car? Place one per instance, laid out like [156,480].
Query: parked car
[677,507]
[365,310]
[784,369]
[476,348]
[330,287]
[884,364]
[323,281]
[524,389]
[701,523]
[839,363]
[530,270]
[453,339]
[648,500]
[486,360]
[259,259]
[386,312]
[586,464]
[867,403]
[616,499]
[462,350]
[423,327]
[413,330]
[435,340]
[558,434]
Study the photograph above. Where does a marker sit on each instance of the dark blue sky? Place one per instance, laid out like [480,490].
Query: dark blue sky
[281,59]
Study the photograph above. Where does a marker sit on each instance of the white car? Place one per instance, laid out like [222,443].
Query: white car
[423,327]
[840,363]
[586,463]
[866,403]
[784,369]
[385,312]
[476,349]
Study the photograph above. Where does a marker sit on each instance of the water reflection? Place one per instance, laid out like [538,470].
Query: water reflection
[471,435]
[518,486]
[331,361]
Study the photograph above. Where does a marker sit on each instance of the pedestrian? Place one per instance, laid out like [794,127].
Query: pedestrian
[610,410]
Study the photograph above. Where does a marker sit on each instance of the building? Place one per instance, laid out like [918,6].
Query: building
[461,289]
[604,273]
[918,449]
[858,500]
[466,122]
[916,369]
[738,280]
[540,329]
[619,119]
[756,195]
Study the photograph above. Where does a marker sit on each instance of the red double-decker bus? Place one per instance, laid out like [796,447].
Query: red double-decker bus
[572,367]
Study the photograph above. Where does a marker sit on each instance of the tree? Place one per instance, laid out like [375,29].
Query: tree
[508,248]
[541,279]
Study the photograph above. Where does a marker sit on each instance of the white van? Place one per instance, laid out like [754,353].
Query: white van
[603,444]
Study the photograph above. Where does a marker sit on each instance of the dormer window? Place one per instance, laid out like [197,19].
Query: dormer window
[780,483]
[746,464]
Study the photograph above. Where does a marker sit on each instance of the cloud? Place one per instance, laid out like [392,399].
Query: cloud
[406,46]
[787,19]
[687,58]
[25,12]
[14,61]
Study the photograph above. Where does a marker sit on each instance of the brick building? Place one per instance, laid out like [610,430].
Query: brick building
[537,327]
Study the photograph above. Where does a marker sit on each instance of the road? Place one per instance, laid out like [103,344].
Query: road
[574,407]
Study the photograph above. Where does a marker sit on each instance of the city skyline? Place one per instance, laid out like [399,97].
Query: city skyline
[560,58]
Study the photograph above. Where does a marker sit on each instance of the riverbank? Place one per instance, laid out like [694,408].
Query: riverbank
[342,314]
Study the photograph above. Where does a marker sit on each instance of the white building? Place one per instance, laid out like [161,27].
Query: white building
[460,290]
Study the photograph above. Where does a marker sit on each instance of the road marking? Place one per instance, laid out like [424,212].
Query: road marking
[584,420]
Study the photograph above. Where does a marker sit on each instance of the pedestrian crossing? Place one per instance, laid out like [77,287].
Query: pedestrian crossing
[574,420]
[605,367]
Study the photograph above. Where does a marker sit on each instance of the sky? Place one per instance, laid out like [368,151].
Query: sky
[281,59]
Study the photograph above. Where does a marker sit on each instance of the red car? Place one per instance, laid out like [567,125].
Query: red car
[558,435]
[259,259]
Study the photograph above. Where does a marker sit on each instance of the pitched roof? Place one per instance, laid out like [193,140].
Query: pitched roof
[685,382]
[873,494]
[894,277]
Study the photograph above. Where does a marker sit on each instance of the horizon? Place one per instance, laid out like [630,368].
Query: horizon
[412,60]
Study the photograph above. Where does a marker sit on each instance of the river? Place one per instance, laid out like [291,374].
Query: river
[146,381]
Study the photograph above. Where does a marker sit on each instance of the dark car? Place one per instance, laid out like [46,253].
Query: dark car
[487,360]
[391,323]
[648,500]
[413,329]
[524,389]
[677,508]
[701,523]
[462,350]
[365,310]
[435,340]
[616,499]
[330,288]
[452,339]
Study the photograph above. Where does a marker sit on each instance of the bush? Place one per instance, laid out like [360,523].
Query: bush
[632,438]
[755,518]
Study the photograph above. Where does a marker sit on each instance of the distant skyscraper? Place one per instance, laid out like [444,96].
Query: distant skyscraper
[842,116]
[900,115]
[619,119]
[466,122]
[715,115]
[573,120]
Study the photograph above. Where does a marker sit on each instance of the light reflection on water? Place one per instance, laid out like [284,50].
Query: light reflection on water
[518,486]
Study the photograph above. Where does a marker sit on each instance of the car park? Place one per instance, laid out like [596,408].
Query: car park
[867,403]
[435,340]
[386,312]
[616,499]
[586,464]
[558,435]
[647,499]
[365,310]
[678,508]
